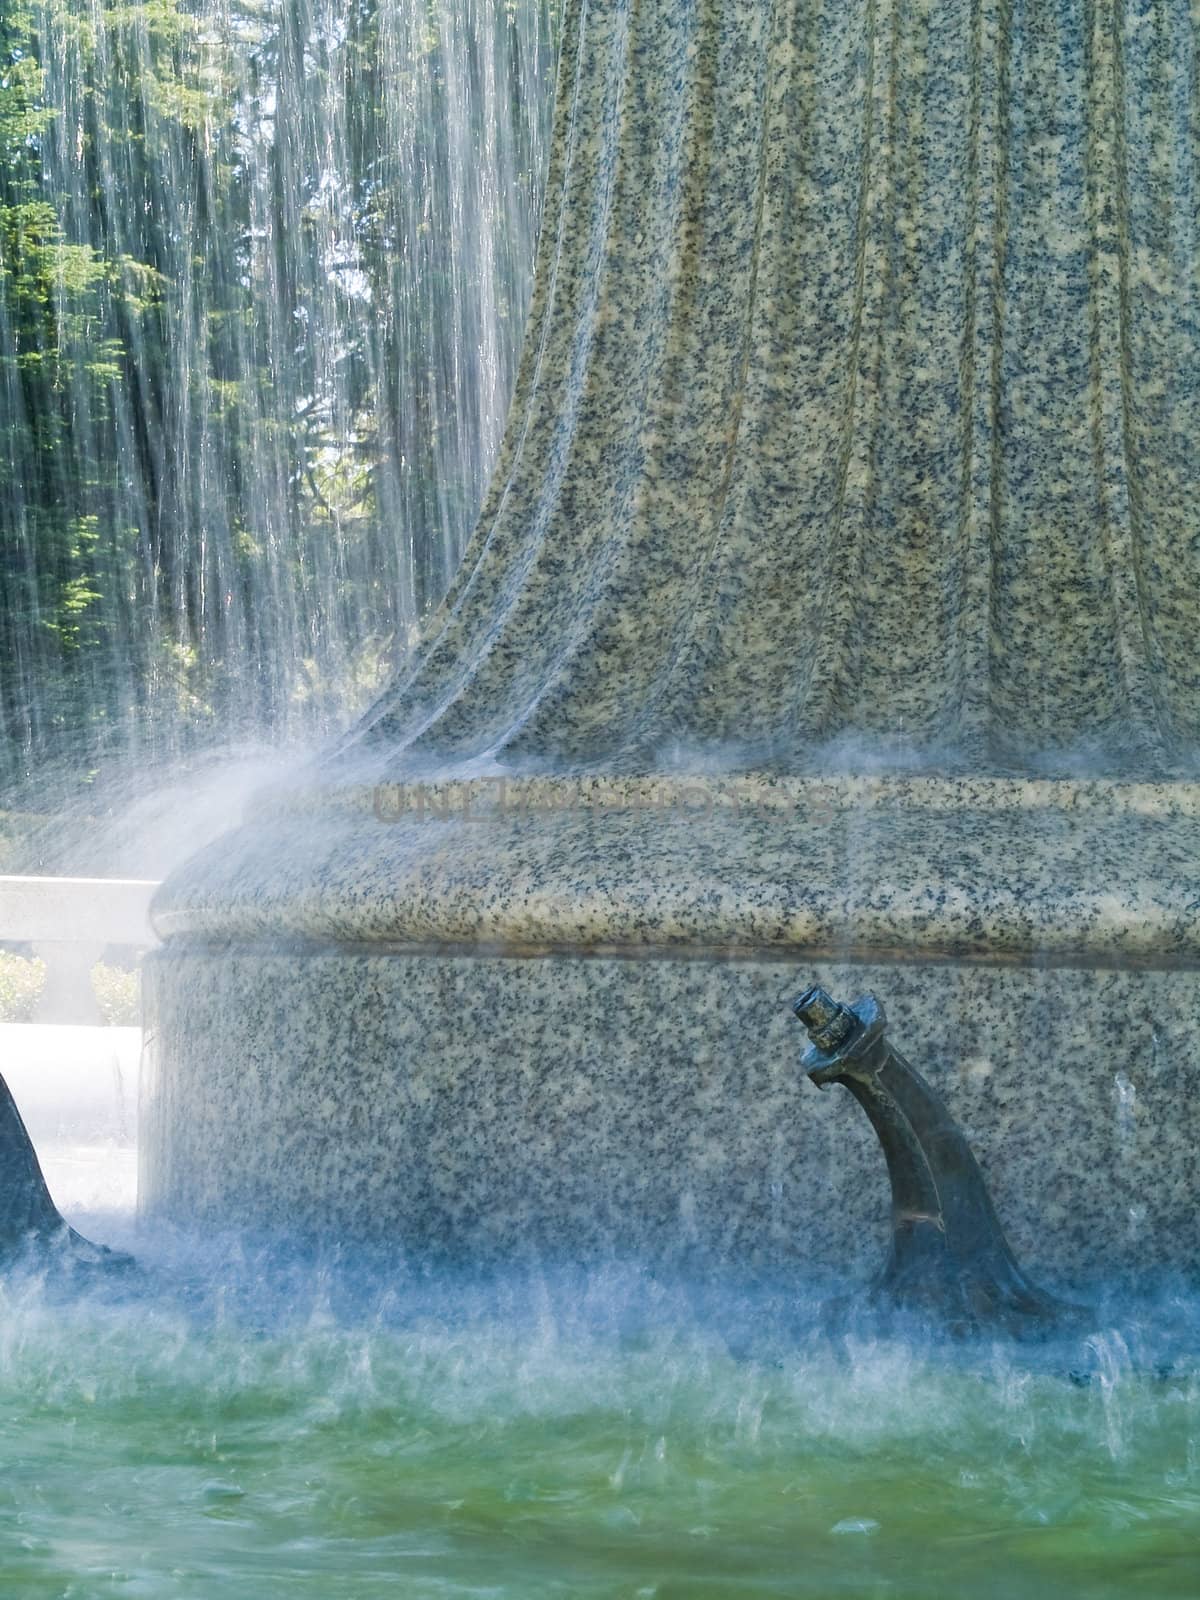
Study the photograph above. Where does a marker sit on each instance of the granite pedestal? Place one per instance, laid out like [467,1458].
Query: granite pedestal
[493,1019]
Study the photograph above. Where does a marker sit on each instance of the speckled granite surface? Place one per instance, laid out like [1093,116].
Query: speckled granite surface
[485,1107]
[858,409]
[907,867]
[860,393]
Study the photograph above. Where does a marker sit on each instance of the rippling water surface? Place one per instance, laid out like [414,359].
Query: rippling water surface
[247,1421]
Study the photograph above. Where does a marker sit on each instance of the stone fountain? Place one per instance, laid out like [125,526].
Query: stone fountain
[831,618]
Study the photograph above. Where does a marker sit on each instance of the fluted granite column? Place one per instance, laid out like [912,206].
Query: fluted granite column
[855,432]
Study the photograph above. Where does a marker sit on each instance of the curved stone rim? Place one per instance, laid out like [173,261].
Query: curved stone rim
[982,870]
[702,791]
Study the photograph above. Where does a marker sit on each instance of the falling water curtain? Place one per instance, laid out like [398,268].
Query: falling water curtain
[264,266]
[860,394]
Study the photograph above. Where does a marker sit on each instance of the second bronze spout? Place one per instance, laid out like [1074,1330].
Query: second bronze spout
[29,1219]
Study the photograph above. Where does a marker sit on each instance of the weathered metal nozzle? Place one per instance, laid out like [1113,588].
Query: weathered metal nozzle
[949,1257]
[828,1023]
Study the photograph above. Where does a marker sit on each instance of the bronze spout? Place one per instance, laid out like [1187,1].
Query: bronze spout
[949,1257]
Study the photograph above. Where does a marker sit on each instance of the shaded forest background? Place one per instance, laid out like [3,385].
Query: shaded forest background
[263,272]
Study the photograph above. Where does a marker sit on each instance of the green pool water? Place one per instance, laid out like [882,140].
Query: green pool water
[239,1426]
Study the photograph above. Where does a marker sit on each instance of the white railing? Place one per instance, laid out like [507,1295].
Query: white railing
[69,922]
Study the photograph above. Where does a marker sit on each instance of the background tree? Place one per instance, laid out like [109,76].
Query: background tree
[263,270]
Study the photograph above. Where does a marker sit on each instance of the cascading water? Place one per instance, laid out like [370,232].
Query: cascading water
[264,271]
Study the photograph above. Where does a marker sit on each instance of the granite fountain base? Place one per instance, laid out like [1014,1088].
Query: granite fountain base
[495,1017]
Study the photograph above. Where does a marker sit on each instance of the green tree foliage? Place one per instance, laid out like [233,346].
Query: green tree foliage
[263,265]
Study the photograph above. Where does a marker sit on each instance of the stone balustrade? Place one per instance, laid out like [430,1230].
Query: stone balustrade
[69,923]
